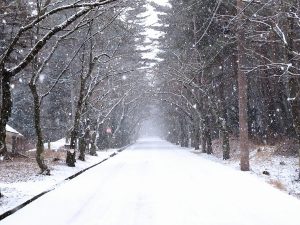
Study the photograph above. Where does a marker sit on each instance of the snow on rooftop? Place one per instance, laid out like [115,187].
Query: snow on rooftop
[12,130]
[56,145]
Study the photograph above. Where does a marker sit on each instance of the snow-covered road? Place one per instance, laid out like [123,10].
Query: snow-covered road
[156,183]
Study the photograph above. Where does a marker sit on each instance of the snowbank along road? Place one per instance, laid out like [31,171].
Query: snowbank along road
[156,183]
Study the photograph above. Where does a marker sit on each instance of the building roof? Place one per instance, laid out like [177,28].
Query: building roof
[12,130]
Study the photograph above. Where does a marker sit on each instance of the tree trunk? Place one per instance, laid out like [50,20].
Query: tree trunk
[225,144]
[14,145]
[209,143]
[82,147]
[196,135]
[70,158]
[295,106]
[293,82]
[203,142]
[203,136]
[93,144]
[37,124]
[71,154]
[242,95]
[6,109]
[224,120]
[84,142]
[183,133]
[208,138]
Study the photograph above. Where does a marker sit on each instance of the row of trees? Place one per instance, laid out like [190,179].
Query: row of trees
[71,68]
[227,68]
[230,68]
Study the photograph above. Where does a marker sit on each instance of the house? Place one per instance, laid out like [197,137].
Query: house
[14,140]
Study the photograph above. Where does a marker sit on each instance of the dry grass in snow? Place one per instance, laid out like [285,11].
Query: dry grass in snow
[277,164]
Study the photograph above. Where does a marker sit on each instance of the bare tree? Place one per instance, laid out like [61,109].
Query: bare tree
[242,93]
[7,71]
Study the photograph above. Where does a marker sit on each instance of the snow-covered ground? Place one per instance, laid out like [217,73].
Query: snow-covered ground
[56,145]
[155,183]
[16,192]
[282,171]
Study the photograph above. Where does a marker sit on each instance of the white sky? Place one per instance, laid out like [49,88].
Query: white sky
[152,14]
[152,20]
